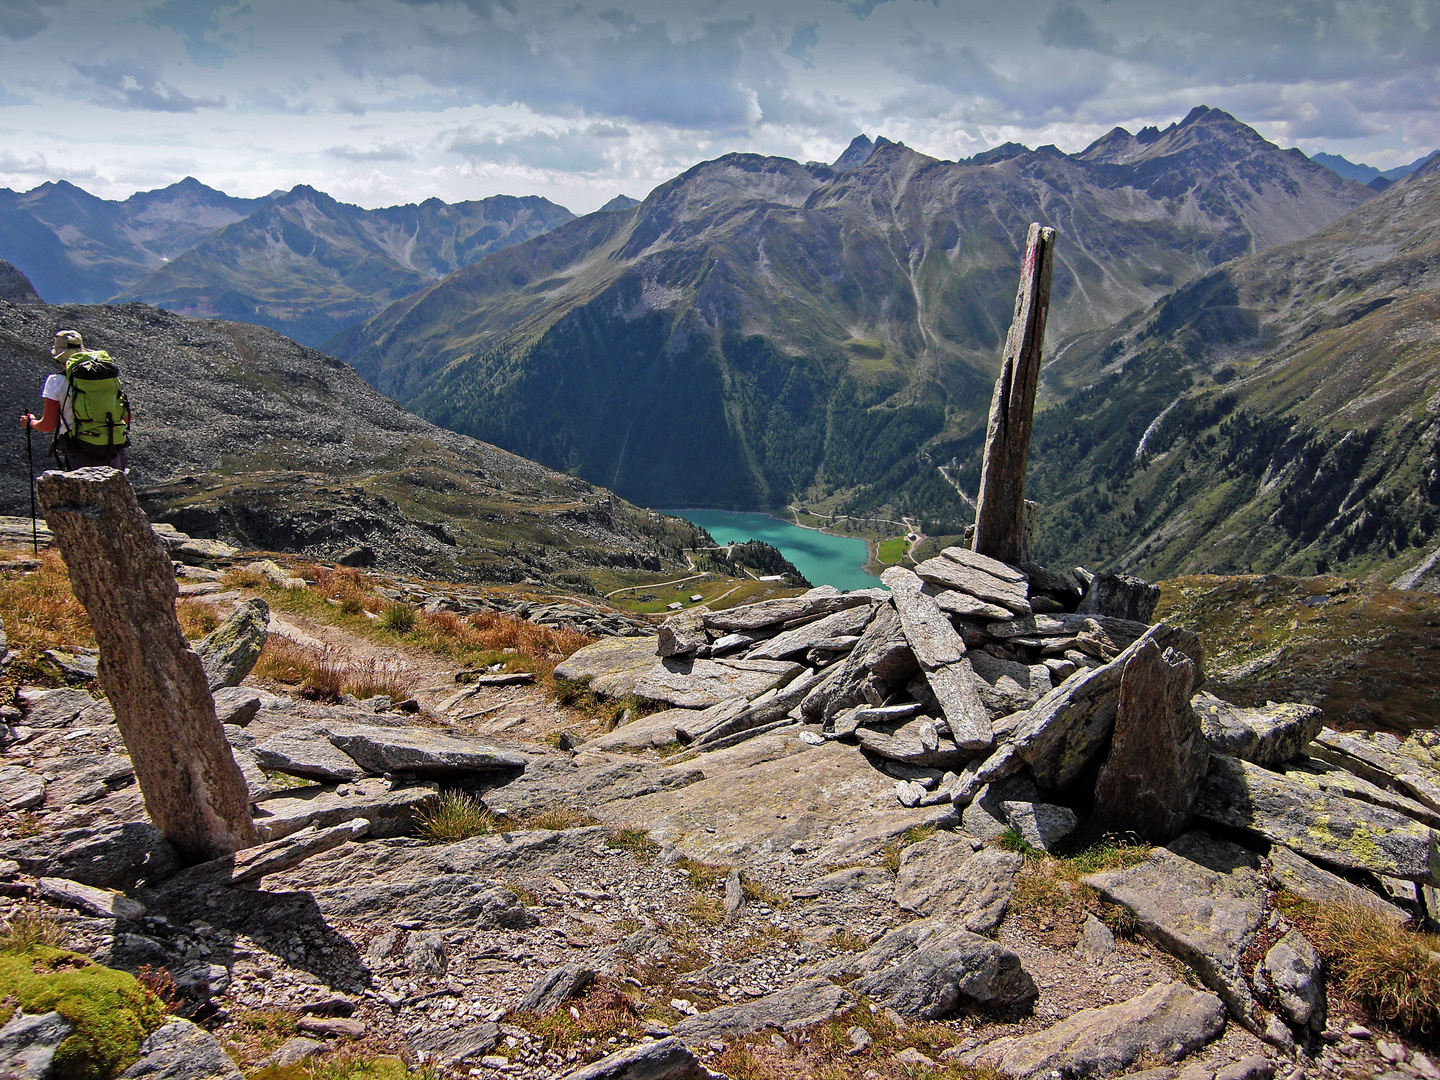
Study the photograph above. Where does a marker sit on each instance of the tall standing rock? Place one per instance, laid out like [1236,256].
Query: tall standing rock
[1158,753]
[193,789]
[1000,515]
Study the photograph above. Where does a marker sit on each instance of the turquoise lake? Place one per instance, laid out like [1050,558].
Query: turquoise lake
[823,559]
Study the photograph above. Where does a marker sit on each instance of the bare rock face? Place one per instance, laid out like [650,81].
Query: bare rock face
[228,653]
[666,1059]
[1201,900]
[797,1006]
[1166,1022]
[1158,754]
[1293,968]
[28,1043]
[1120,597]
[942,876]
[181,1051]
[193,789]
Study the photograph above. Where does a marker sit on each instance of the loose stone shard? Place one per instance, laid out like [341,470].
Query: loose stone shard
[1158,755]
[1330,828]
[192,787]
[1000,508]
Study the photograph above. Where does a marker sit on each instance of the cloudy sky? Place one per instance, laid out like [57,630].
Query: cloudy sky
[388,101]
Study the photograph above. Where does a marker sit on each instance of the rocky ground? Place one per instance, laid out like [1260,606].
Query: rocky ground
[785,896]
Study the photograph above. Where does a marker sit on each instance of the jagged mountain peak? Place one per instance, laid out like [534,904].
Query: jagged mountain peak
[854,155]
[619,202]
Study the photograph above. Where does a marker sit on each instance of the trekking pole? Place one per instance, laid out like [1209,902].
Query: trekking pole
[30,467]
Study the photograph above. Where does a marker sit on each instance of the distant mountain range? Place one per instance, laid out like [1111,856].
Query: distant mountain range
[298,261]
[1279,414]
[759,330]
[1368,174]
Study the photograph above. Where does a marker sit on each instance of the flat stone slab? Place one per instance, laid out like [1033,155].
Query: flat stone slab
[665,1059]
[771,612]
[948,574]
[421,751]
[841,623]
[21,788]
[973,560]
[51,708]
[1066,625]
[955,602]
[1315,772]
[611,666]
[655,730]
[1330,828]
[1376,756]
[389,812]
[1268,736]
[307,753]
[1166,1022]
[915,743]
[1303,878]
[971,889]
[591,778]
[694,684]
[956,690]
[805,1003]
[1201,900]
[927,628]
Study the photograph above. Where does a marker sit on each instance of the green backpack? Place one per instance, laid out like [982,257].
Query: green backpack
[99,405]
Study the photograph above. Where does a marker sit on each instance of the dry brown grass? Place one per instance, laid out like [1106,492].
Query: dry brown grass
[1390,972]
[584,1023]
[325,674]
[39,610]
[197,618]
[825,1052]
[29,926]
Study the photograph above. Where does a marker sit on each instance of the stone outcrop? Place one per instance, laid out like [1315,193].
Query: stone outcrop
[805,1003]
[1158,755]
[1120,597]
[179,1050]
[665,1059]
[942,876]
[1202,900]
[1268,737]
[228,653]
[1330,828]
[193,789]
[1000,518]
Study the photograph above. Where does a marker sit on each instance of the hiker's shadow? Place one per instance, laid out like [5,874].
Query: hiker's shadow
[288,925]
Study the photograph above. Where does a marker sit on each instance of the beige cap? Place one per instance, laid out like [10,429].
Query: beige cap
[66,341]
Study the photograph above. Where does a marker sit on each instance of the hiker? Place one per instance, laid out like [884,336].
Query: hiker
[84,407]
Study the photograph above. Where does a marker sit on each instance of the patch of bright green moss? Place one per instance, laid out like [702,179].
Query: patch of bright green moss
[112,1012]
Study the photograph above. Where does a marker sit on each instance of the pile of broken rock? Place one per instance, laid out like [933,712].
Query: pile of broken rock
[1030,705]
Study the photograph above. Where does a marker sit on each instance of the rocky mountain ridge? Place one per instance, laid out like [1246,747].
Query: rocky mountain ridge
[244,436]
[297,261]
[1277,415]
[809,328]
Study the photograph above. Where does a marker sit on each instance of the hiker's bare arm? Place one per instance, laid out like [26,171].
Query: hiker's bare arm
[46,422]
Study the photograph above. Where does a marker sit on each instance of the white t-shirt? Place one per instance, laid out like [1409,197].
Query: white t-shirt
[57,388]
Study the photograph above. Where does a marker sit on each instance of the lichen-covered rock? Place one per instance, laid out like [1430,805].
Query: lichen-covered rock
[228,653]
[1303,878]
[1067,730]
[1268,736]
[1158,755]
[1334,829]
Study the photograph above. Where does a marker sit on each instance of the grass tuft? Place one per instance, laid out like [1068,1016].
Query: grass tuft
[28,927]
[635,841]
[1391,972]
[325,674]
[197,618]
[457,816]
[892,852]
[604,1011]
[398,617]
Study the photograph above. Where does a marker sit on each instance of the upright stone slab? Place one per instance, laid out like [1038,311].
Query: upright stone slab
[1000,509]
[193,789]
[1158,754]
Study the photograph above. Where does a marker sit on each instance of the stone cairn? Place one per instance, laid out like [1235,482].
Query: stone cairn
[1025,699]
